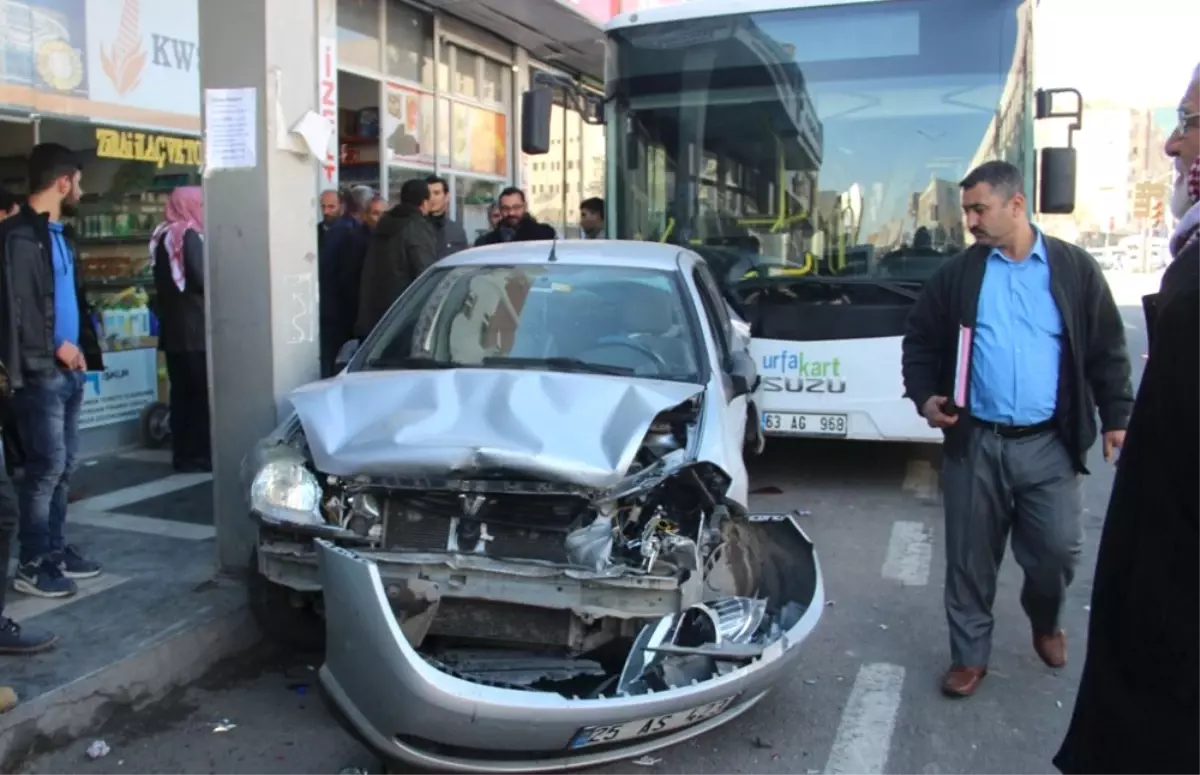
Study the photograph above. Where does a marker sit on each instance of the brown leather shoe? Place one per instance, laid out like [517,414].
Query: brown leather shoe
[962,681]
[1052,648]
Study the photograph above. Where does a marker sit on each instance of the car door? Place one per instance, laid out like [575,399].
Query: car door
[734,409]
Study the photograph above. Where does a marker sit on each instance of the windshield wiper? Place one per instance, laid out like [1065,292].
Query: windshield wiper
[560,363]
[410,363]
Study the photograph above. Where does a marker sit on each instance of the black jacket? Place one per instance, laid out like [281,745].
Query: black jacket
[180,313]
[402,247]
[27,300]
[450,235]
[347,280]
[1095,369]
[1138,705]
[528,230]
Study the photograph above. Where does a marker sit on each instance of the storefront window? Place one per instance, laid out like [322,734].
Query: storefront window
[358,33]
[397,176]
[472,198]
[127,177]
[409,44]
[492,85]
[480,140]
[466,74]
[408,126]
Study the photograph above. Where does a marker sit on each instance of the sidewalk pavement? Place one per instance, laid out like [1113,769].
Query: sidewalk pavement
[158,618]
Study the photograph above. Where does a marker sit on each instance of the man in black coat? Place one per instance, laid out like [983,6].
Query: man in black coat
[1013,348]
[402,247]
[1138,706]
[516,225]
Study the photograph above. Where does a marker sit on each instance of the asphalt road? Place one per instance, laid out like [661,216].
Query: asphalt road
[865,700]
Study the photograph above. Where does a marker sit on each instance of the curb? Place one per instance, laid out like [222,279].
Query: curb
[76,709]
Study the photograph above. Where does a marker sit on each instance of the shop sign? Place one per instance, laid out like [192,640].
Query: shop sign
[144,54]
[327,96]
[156,149]
[127,385]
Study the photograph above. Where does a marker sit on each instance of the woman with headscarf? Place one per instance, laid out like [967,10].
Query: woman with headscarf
[1138,706]
[177,250]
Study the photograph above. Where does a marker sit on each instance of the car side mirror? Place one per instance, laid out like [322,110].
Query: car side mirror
[344,354]
[1056,182]
[743,375]
[536,107]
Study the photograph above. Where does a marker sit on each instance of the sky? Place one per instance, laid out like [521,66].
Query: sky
[1138,53]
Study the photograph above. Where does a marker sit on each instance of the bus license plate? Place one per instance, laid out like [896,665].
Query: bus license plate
[632,730]
[789,424]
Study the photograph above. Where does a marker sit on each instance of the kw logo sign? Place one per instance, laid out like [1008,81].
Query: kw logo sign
[124,60]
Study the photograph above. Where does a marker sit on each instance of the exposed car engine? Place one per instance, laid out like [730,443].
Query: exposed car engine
[544,586]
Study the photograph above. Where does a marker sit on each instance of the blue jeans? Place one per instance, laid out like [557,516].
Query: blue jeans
[47,414]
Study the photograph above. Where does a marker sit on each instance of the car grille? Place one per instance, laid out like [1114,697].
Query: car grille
[526,527]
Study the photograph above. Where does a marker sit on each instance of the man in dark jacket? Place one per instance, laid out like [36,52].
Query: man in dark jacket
[516,225]
[339,267]
[1138,706]
[1010,349]
[403,246]
[450,235]
[48,342]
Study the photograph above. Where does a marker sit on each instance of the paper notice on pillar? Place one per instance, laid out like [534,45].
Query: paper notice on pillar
[230,129]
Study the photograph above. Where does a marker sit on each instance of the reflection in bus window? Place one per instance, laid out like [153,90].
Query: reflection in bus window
[834,137]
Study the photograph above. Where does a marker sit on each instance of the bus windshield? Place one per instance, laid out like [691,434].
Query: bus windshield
[822,142]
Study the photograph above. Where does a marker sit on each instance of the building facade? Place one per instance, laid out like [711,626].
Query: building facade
[414,89]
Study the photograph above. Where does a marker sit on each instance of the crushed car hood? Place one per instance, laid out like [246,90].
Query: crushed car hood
[581,429]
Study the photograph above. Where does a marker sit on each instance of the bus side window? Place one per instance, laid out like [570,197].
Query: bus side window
[714,309]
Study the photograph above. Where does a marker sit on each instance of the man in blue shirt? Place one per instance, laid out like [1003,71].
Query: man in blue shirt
[1011,349]
[47,344]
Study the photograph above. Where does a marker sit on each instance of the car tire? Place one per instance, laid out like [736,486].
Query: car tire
[288,619]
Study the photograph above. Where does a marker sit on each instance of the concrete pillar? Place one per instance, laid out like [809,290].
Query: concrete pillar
[260,246]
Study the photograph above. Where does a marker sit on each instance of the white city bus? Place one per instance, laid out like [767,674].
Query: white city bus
[811,151]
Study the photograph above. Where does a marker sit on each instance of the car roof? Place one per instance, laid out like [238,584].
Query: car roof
[624,253]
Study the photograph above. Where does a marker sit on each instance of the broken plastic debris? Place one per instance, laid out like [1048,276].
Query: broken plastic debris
[810,681]
[883,626]
[1058,703]
[1087,608]
[97,749]
[225,725]
[647,761]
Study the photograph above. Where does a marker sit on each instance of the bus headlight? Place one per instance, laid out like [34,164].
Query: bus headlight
[286,492]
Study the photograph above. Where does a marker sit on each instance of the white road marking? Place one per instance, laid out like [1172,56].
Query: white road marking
[921,479]
[24,607]
[147,455]
[909,554]
[137,524]
[864,736]
[113,501]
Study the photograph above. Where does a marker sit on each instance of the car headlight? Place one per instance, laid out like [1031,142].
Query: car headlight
[285,491]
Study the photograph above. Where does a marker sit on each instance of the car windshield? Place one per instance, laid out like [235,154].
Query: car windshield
[590,319]
[818,142]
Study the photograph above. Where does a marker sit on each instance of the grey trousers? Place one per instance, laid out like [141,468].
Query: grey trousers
[1026,487]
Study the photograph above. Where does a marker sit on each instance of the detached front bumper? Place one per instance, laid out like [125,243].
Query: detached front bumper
[407,710]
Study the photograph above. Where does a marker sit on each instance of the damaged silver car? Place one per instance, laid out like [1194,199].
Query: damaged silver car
[521,514]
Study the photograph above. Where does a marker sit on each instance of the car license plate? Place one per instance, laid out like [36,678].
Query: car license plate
[788,424]
[632,730]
